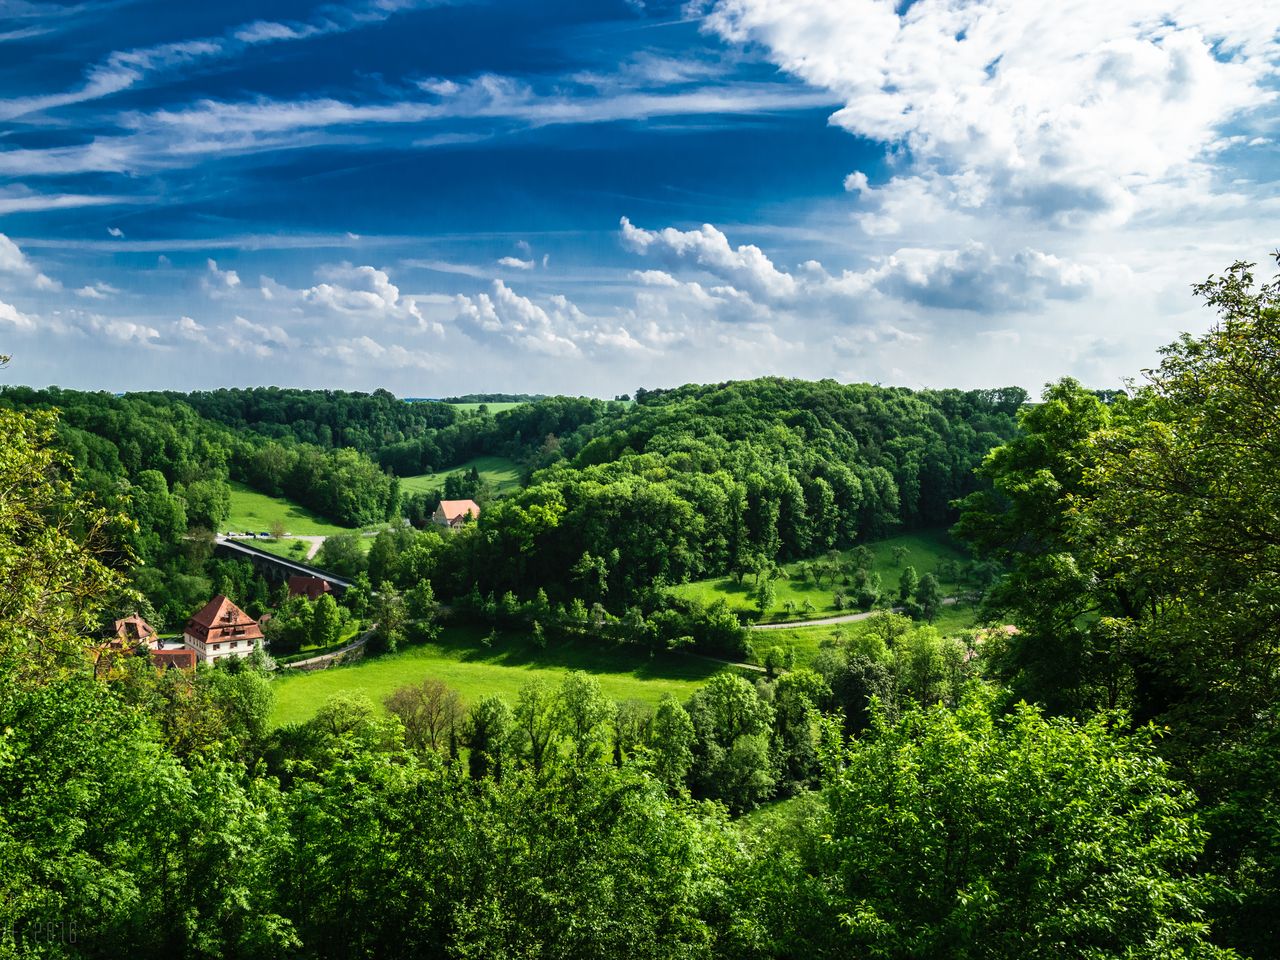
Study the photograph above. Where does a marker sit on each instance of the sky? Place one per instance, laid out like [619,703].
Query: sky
[587,196]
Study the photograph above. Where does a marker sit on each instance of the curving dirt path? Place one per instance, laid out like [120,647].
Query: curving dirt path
[825,621]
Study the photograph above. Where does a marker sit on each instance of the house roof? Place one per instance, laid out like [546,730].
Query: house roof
[220,619]
[310,587]
[456,509]
[184,658]
[134,629]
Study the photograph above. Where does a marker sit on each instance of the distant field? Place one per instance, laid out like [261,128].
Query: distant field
[925,551]
[476,671]
[807,641]
[499,472]
[255,512]
[493,407]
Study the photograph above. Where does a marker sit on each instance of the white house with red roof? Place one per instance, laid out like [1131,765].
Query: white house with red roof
[454,513]
[221,629]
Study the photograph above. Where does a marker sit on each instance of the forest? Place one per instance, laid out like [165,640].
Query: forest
[1100,779]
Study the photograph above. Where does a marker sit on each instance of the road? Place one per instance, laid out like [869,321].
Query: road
[831,621]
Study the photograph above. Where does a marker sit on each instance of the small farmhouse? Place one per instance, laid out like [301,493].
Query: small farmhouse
[453,513]
[221,629]
[313,588]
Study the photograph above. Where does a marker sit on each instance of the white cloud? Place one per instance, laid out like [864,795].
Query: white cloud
[188,329]
[366,291]
[115,232]
[15,263]
[1074,113]
[507,316]
[23,200]
[974,278]
[363,352]
[267,31]
[97,291]
[515,263]
[219,283]
[11,315]
[747,266]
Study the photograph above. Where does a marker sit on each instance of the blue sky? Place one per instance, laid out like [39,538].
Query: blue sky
[441,197]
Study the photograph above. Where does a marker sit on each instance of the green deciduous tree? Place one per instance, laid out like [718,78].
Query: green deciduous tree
[964,835]
[732,761]
[326,621]
[671,740]
[585,715]
[908,583]
[487,735]
[928,595]
[392,618]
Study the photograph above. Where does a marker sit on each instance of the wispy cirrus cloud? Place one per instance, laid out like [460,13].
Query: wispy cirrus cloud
[124,69]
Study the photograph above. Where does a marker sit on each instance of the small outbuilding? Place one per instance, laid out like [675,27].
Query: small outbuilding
[313,588]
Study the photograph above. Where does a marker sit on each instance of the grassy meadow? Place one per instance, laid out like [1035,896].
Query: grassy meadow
[462,660]
[926,550]
[256,512]
[492,407]
[806,641]
[289,549]
[500,473]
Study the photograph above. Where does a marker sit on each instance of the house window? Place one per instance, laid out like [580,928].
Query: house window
[217,646]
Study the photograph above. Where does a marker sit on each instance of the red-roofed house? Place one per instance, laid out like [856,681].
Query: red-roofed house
[221,629]
[453,513]
[313,588]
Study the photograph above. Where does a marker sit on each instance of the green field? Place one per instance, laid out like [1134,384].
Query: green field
[500,473]
[256,512]
[475,671]
[283,548]
[925,551]
[493,407]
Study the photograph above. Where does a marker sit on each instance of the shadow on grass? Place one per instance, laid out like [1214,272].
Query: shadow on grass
[512,649]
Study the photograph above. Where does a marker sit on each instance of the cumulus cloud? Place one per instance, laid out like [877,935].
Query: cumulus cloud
[185,328]
[508,317]
[97,291]
[121,330]
[365,351]
[515,263]
[1071,113]
[12,316]
[970,276]
[219,283]
[746,265]
[15,263]
[115,232]
[256,339]
[363,291]
[974,278]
